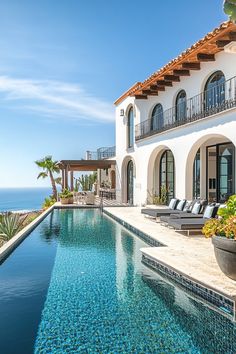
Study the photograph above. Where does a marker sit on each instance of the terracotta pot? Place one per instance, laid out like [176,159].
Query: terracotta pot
[225,252]
[64,200]
[71,200]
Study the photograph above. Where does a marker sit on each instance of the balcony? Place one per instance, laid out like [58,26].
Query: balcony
[101,153]
[218,99]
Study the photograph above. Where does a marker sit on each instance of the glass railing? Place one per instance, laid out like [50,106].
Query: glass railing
[101,153]
[219,98]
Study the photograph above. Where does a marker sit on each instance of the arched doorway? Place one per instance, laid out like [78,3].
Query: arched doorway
[220,171]
[210,169]
[197,175]
[130,182]
[161,158]
[167,174]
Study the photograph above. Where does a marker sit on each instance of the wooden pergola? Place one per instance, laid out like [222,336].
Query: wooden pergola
[68,167]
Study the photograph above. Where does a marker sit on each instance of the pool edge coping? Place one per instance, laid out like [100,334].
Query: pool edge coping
[212,291]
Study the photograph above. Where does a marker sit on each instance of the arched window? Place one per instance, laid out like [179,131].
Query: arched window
[131,128]
[130,182]
[167,173]
[214,93]
[181,106]
[157,119]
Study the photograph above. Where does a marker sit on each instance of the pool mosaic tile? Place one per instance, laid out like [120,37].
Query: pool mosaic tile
[102,299]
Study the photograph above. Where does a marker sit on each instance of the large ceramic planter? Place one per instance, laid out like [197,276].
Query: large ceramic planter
[64,200]
[225,252]
[71,200]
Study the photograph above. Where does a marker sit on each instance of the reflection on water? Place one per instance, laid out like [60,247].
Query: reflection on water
[24,280]
[77,285]
[101,298]
[50,229]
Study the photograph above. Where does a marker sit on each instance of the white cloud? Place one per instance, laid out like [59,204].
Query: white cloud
[55,99]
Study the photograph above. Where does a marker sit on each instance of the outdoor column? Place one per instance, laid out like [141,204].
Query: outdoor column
[66,177]
[63,178]
[71,180]
[98,181]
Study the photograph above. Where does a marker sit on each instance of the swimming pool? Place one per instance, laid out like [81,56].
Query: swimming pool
[77,285]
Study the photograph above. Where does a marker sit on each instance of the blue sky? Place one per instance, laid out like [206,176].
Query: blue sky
[63,63]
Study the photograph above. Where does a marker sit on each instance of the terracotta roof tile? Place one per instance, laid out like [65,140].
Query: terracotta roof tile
[210,38]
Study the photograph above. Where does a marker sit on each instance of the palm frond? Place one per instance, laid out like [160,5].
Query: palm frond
[42,175]
[58,180]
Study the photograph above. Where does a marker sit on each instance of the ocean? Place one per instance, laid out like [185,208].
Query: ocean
[22,198]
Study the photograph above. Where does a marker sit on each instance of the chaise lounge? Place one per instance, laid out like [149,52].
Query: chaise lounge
[174,206]
[193,224]
[196,211]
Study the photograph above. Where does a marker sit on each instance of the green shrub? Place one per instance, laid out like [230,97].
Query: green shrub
[48,202]
[225,225]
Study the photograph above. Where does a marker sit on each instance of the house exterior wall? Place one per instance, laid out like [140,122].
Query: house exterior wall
[183,141]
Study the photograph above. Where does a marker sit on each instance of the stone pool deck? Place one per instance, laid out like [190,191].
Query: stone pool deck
[191,256]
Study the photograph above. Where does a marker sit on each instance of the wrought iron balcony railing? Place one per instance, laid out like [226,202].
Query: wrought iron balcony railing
[217,99]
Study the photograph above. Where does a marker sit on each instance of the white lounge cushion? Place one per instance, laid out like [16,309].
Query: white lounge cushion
[210,211]
[173,203]
[196,208]
[181,204]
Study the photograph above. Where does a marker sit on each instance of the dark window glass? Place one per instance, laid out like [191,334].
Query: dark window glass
[196,176]
[167,174]
[157,119]
[211,173]
[130,182]
[220,172]
[215,90]
[226,171]
[131,128]
[181,106]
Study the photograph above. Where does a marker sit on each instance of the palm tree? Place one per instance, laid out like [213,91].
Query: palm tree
[49,168]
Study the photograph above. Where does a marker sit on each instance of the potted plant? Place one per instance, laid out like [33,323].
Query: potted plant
[223,233]
[66,197]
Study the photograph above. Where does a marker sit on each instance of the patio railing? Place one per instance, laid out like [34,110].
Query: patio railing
[101,153]
[220,98]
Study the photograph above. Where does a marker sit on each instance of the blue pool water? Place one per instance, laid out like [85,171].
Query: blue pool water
[22,198]
[77,285]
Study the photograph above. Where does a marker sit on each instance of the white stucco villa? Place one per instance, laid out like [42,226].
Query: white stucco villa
[177,129]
